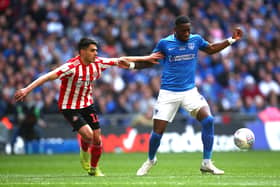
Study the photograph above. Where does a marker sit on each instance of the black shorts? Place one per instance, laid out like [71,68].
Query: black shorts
[81,117]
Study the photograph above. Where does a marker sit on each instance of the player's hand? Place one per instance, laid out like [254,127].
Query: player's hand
[20,94]
[237,33]
[154,57]
[123,63]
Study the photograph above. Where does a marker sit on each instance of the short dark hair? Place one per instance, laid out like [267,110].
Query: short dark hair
[85,42]
[182,20]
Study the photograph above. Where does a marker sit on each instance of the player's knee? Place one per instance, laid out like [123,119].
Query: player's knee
[159,126]
[211,119]
[86,133]
[97,141]
[88,136]
[208,122]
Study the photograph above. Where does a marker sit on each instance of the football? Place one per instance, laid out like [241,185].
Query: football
[244,138]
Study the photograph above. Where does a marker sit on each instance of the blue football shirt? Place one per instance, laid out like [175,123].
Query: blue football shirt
[179,63]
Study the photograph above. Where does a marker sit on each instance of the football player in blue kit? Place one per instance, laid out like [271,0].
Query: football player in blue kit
[180,51]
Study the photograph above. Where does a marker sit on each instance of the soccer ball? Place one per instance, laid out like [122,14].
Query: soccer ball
[244,138]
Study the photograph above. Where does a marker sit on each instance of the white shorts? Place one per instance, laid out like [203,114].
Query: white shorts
[168,103]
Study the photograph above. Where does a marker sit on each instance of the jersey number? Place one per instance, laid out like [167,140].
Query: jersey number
[94,118]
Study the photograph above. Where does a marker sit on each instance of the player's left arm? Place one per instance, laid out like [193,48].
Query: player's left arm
[216,47]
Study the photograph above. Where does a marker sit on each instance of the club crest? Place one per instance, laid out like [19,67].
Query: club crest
[191,46]
[75,118]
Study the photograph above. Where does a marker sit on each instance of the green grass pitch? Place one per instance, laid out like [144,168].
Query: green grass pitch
[252,168]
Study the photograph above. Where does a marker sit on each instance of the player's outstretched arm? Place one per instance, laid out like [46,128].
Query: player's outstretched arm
[152,58]
[216,47]
[21,93]
[140,62]
[134,65]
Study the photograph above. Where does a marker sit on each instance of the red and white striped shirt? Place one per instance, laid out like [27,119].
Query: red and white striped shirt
[76,90]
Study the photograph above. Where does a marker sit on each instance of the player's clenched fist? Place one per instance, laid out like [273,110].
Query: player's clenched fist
[237,33]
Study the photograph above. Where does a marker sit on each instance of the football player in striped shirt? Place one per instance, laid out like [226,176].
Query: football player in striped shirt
[76,96]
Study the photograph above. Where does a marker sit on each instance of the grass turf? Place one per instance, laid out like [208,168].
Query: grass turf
[251,168]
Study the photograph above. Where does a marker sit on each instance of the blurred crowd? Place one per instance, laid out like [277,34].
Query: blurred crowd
[38,35]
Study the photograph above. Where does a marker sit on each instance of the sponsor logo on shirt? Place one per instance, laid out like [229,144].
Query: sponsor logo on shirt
[171,48]
[182,48]
[181,57]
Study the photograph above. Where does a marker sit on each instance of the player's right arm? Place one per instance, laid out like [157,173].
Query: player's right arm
[152,58]
[140,62]
[21,93]
[142,65]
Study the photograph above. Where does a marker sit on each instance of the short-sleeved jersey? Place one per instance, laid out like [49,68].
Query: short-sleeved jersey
[179,63]
[76,90]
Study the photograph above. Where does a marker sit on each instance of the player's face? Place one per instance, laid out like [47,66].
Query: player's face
[90,53]
[183,31]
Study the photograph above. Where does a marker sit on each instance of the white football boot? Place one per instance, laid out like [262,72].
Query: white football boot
[208,167]
[146,166]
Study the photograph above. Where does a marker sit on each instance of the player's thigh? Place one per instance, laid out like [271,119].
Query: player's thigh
[167,106]
[193,101]
[86,132]
[90,116]
[75,118]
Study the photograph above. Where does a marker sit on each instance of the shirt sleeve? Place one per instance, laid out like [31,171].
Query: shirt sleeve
[202,43]
[65,70]
[107,62]
[158,47]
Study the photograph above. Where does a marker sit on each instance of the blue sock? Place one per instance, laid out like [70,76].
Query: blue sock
[207,136]
[154,144]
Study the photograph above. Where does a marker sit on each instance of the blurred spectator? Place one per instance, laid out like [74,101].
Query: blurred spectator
[250,88]
[268,85]
[143,119]
[29,121]
[4,4]
[50,104]
[211,89]
[249,106]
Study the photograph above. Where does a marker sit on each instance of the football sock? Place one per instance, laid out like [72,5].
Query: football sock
[207,136]
[84,145]
[95,151]
[154,144]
